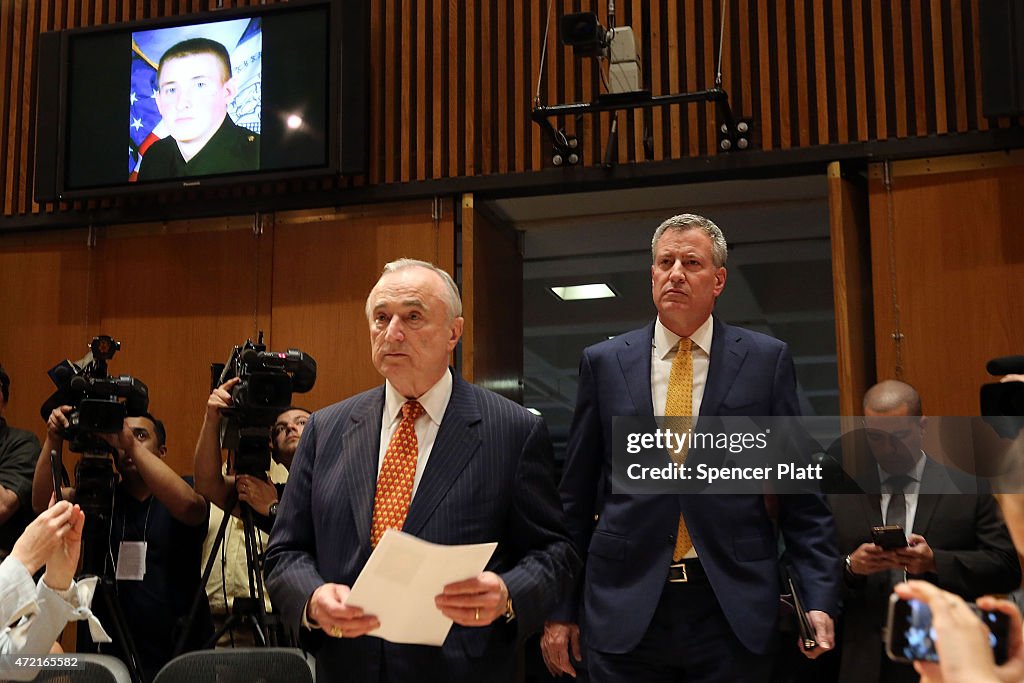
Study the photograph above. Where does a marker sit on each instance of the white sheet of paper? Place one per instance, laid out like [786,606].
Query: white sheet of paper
[401,578]
[131,561]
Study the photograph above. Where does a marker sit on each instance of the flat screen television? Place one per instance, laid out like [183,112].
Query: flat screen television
[228,96]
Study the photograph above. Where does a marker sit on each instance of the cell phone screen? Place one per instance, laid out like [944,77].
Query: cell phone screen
[911,636]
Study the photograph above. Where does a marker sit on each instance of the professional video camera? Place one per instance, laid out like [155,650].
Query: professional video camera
[1002,403]
[99,405]
[268,379]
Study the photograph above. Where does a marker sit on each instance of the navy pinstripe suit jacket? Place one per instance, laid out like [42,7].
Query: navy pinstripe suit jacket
[488,478]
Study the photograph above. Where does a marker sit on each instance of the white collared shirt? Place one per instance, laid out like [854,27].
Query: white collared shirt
[434,402]
[910,492]
[663,352]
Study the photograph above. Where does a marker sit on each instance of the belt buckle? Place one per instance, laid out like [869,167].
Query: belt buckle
[683,578]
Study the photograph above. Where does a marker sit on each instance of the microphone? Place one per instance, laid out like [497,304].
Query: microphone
[1006,365]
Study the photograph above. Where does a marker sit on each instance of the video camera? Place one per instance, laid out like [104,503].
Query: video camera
[99,405]
[1002,403]
[267,381]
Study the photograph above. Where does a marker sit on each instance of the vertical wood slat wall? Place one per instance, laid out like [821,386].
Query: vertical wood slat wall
[452,82]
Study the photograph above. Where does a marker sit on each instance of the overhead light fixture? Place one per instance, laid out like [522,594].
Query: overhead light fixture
[535,411]
[581,292]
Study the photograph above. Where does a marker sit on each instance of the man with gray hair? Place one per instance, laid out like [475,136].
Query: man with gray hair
[433,456]
[684,587]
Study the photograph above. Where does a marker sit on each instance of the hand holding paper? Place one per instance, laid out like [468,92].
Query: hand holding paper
[403,578]
[474,602]
[328,608]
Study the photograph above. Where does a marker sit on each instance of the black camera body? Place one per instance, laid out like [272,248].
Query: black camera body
[267,380]
[99,404]
[1002,403]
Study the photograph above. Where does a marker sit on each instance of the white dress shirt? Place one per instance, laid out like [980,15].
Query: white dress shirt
[434,402]
[663,352]
[910,491]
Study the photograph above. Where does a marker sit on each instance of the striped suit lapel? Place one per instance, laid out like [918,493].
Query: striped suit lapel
[361,450]
[458,439]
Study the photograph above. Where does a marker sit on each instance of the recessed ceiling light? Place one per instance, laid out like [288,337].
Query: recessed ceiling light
[580,292]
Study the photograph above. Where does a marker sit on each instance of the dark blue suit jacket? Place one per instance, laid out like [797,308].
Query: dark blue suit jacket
[628,551]
[489,478]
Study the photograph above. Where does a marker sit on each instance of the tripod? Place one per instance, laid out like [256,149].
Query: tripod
[95,538]
[250,611]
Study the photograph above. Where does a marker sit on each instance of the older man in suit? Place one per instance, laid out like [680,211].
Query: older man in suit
[684,587]
[955,532]
[436,457]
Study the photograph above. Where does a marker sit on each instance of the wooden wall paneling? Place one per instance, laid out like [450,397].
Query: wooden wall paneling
[537,12]
[501,59]
[45,309]
[658,81]
[851,286]
[951,225]
[451,83]
[517,39]
[801,31]
[938,73]
[325,264]
[405,39]
[392,92]
[880,67]
[376,77]
[178,299]
[899,70]
[975,36]
[917,50]
[492,298]
[485,85]
[9,36]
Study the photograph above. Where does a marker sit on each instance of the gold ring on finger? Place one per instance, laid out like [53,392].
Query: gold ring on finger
[476,614]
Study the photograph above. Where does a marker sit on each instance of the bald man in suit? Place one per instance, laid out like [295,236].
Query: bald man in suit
[482,472]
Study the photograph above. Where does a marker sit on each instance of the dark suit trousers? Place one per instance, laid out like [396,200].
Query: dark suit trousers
[688,641]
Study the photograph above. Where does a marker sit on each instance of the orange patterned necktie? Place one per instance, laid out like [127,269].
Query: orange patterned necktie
[394,483]
[679,402]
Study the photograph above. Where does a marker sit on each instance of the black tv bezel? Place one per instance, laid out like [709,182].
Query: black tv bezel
[345,143]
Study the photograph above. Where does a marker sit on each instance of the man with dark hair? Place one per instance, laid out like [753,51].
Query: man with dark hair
[230,578]
[958,541]
[155,538]
[18,451]
[195,87]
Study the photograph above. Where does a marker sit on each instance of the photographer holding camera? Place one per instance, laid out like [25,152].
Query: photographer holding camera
[216,486]
[229,579]
[155,537]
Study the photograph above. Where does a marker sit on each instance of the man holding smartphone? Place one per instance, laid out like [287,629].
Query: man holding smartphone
[911,521]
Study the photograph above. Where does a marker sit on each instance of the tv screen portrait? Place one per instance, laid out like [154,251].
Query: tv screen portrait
[195,101]
[232,96]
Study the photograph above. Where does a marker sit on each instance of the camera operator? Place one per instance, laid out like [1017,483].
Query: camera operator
[229,578]
[18,449]
[155,536]
[259,493]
